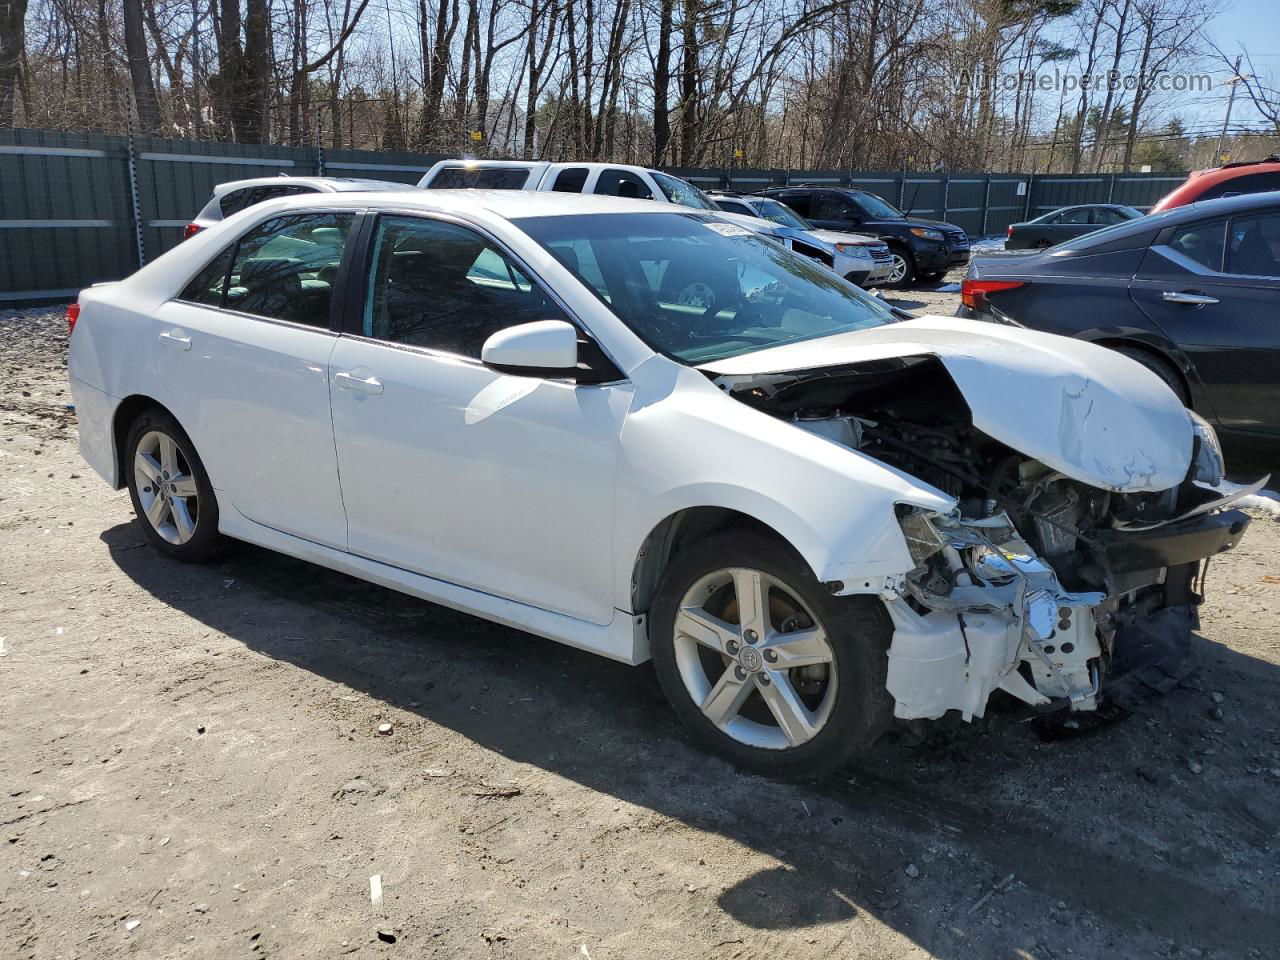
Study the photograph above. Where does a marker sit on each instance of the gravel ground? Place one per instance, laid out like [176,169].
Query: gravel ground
[191,768]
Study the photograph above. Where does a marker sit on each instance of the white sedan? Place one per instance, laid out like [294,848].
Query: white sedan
[814,514]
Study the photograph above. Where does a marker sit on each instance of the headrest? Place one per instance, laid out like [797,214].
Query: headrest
[269,268]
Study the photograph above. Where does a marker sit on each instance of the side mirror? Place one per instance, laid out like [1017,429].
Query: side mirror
[540,349]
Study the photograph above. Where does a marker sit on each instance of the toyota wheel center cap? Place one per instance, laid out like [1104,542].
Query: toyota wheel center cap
[750,658]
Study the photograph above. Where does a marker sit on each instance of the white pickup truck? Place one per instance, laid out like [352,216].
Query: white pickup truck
[853,258]
[612,179]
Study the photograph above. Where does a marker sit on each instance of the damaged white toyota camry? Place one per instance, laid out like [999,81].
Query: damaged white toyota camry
[647,432]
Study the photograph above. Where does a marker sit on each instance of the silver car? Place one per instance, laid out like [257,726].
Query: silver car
[858,258]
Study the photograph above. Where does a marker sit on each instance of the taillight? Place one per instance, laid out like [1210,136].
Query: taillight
[73,314]
[1010,229]
[191,230]
[973,293]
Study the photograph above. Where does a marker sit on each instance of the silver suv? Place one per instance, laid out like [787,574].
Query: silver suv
[860,259]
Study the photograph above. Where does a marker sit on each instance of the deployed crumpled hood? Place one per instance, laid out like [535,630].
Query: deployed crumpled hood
[1084,410]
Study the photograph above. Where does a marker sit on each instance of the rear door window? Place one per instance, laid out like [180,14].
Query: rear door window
[733,206]
[1108,217]
[1076,216]
[285,269]
[1201,242]
[1253,248]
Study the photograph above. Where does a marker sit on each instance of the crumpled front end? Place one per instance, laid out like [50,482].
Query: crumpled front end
[1050,623]
[1069,554]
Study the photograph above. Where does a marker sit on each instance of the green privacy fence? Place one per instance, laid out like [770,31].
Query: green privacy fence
[76,209]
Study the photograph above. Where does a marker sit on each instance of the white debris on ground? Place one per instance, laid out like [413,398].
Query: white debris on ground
[993,244]
[1264,501]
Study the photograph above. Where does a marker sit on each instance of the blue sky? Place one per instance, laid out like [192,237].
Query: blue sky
[1255,24]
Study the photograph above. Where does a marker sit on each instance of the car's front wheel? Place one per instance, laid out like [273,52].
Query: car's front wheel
[762,664]
[904,270]
[171,492]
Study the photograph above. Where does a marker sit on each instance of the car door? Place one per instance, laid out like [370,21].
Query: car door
[1212,288]
[243,353]
[500,483]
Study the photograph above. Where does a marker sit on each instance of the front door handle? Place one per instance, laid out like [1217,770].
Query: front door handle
[175,339]
[349,381]
[1191,299]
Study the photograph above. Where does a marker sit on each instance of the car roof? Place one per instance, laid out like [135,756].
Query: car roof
[507,204]
[536,164]
[322,184]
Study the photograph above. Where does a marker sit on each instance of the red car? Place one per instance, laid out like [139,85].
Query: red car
[1229,180]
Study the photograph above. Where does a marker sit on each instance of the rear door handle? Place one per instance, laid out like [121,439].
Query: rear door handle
[1192,299]
[349,381]
[175,339]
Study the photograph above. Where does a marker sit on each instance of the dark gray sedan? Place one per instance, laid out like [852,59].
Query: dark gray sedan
[1067,223]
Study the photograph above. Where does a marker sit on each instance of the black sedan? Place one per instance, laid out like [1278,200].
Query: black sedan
[1192,293]
[1067,223]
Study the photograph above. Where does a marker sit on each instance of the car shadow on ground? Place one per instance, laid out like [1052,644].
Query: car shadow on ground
[607,727]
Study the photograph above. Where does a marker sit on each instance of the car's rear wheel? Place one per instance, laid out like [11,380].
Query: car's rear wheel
[762,664]
[1043,244]
[904,269]
[1160,368]
[170,490]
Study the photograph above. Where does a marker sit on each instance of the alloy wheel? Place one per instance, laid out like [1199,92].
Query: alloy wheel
[899,268]
[755,660]
[167,488]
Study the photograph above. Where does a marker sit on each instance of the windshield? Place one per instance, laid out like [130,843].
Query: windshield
[679,191]
[777,212]
[878,209]
[699,289]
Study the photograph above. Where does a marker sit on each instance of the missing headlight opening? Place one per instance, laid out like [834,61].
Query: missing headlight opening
[1036,584]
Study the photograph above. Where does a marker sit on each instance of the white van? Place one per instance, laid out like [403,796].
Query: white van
[613,179]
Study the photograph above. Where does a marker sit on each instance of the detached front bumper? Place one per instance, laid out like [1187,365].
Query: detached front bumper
[1006,623]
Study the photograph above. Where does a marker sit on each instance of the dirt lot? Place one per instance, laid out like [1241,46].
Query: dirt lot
[191,767]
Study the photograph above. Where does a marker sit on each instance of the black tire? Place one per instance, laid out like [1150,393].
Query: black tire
[1161,368]
[858,630]
[1043,244]
[205,541]
[909,274]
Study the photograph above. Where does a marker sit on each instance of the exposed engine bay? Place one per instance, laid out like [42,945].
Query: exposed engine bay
[1037,583]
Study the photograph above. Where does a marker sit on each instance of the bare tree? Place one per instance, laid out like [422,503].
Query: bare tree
[13,17]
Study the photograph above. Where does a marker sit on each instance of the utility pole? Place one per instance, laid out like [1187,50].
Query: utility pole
[1234,81]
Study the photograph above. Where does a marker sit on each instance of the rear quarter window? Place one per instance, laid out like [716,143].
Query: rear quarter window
[480,178]
[246,197]
[1249,183]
